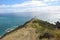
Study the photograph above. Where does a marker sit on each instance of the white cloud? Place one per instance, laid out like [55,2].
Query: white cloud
[52,9]
[30,6]
[34,6]
[46,0]
[3,5]
[50,0]
[22,7]
[29,3]
[47,9]
[39,3]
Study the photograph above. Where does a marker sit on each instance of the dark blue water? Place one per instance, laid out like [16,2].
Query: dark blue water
[11,22]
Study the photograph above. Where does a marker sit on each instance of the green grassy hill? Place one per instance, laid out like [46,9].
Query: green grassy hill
[34,29]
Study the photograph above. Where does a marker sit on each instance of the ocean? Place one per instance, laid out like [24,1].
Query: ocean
[11,23]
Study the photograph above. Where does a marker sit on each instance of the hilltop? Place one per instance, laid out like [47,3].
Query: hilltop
[34,29]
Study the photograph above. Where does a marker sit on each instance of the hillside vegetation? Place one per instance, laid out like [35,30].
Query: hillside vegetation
[34,29]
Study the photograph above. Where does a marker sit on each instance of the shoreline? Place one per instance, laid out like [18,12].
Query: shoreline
[18,27]
[7,31]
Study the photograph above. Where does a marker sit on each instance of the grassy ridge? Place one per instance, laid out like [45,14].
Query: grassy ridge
[44,29]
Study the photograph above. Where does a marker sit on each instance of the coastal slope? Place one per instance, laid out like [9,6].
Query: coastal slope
[34,29]
[27,32]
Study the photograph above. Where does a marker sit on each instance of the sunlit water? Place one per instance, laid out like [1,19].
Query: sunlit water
[11,23]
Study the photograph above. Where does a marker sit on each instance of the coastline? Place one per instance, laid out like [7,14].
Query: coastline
[9,30]
[17,27]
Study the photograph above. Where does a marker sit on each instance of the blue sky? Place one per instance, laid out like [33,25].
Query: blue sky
[50,7]
[10,2]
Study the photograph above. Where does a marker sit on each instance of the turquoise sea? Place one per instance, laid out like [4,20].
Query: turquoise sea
[11,23]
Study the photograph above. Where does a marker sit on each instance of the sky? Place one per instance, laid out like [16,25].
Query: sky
[30,5]
[39,7]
